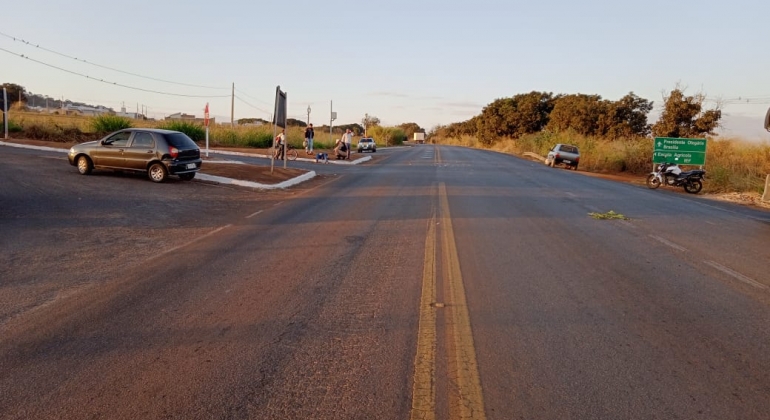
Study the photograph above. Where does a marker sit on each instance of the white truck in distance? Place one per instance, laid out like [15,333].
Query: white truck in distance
[419,138]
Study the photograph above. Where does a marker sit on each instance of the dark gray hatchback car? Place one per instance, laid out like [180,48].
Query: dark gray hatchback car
[158,152]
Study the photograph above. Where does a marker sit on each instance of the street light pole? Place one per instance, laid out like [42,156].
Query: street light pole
[308,115]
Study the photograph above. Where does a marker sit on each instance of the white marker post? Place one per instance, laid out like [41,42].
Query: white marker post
[206,123]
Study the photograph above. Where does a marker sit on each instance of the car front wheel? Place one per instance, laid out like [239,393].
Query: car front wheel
[84,165]
[157,172]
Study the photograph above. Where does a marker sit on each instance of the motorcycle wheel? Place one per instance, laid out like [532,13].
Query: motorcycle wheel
[693,187]
[653,182]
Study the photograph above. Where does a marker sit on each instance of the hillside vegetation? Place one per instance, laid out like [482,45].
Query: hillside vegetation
[613,136]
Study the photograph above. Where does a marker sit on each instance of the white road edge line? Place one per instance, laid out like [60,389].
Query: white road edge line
[668,243]
[221,228]
[735,274]
[278,204]
[254,214]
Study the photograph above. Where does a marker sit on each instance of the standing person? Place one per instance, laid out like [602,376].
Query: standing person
[347,138]
[280,144]
[309,134]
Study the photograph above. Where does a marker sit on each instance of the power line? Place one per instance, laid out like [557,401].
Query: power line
[253,106]
[106,67]
[112,83]
[251,97]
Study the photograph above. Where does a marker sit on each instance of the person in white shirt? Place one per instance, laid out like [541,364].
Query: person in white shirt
[280,144]
[347,138]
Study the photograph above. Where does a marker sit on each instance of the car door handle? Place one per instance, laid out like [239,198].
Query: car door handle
[149,152]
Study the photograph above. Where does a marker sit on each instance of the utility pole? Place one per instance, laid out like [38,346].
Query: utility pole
[5,113]
[232,108]
[366,123]
[331,121]
[308,115]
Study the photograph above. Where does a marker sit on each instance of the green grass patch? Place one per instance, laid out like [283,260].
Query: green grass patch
[103,124]
[194,131]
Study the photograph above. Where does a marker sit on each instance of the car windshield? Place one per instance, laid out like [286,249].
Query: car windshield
[366,140]
[180,141]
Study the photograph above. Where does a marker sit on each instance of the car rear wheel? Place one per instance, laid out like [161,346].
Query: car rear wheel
[157,172]
[187,177]
[84,165]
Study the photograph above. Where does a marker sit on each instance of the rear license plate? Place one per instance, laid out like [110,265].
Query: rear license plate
[566,161]
[190,166]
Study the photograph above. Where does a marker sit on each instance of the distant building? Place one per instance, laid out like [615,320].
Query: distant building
[180,116]
[86,110]
[132,115]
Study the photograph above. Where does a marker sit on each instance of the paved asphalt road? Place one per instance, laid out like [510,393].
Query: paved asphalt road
[434,282]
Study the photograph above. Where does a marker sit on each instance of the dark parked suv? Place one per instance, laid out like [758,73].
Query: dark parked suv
[158,152]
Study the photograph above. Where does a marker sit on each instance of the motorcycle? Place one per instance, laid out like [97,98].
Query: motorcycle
[671,174]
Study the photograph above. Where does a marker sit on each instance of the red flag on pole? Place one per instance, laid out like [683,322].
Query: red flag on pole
[206,115]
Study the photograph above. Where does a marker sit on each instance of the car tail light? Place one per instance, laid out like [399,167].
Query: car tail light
[577,159]
[173,151]
[556,156]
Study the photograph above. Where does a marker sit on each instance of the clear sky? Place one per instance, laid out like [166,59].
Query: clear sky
[424,61]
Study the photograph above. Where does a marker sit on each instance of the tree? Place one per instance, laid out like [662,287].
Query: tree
[683,116]
[410,128]
[514,117]
[584,114]
[590,115]
[629,117]
[13,90]
[369,121]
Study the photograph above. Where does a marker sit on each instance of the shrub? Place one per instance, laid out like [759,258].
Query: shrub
[194,131]
[108,123]
[14,127]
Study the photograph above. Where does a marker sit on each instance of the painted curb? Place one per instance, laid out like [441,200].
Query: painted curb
[27,146]
[257,185]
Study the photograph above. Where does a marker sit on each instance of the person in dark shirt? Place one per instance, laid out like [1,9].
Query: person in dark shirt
[309,134]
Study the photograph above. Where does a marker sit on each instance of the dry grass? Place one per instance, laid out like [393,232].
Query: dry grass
[732,165]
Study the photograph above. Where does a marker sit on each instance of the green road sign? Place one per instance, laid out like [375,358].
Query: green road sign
[681,151]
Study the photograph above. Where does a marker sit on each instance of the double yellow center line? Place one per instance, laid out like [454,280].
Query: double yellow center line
[466,400]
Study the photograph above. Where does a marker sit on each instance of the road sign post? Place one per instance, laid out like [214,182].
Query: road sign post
[206,123]
[682,151]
